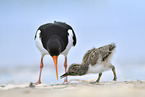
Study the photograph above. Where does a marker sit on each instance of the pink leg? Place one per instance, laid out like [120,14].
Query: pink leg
[65,66]
[41,66]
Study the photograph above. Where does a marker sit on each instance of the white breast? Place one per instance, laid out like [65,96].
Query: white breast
[98,68]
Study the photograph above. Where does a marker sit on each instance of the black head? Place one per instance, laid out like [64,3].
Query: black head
[54,47]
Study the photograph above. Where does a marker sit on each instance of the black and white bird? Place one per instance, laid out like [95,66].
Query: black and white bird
[54,39]
[94,61]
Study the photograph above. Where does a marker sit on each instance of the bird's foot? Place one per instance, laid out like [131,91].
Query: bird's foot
[115,79]
[38,82]
[65,81]
[96,82]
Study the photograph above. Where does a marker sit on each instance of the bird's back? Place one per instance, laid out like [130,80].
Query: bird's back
[95,56]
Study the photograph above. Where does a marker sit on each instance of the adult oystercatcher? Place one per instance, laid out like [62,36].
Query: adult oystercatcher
[94,61]
[54,39]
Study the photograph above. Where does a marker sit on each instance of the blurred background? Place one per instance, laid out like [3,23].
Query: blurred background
[95,22]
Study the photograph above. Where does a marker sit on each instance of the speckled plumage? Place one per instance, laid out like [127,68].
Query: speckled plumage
[95,56]
[78,69]
[94,61]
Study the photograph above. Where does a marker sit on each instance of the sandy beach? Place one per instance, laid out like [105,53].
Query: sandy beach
[77,88]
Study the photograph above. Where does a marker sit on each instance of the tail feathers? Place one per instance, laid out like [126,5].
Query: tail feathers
[112,46]
[109,47]
[109,51]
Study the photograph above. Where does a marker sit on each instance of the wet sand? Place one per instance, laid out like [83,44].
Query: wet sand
[77,88]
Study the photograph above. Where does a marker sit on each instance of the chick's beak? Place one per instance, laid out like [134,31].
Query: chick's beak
[55,62]
[64,75]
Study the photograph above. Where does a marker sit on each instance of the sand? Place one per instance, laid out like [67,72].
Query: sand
[77,88]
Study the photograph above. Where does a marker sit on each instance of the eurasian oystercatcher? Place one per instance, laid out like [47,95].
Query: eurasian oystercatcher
[54,39]
[94,61]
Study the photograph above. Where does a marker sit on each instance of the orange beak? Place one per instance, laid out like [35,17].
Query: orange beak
[55,62]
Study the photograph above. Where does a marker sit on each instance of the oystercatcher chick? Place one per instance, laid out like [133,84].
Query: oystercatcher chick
[94,61]
[54,39]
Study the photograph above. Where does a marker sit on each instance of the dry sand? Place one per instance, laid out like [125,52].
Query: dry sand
[77,88]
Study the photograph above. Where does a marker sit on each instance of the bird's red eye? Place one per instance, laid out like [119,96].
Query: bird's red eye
[49,50]
[58,49]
